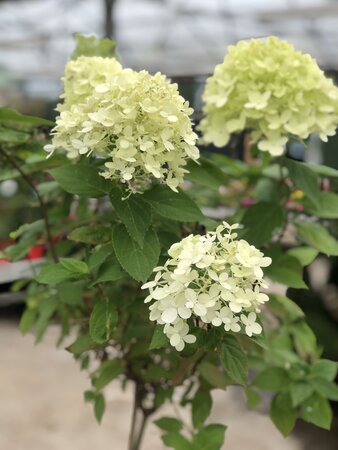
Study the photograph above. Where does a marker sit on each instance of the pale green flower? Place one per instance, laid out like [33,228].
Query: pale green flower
[267,87]
[135,120]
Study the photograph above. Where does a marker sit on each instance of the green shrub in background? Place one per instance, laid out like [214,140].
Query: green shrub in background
[159,295]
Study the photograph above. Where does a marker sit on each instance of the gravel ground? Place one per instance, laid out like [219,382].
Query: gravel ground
[42,407]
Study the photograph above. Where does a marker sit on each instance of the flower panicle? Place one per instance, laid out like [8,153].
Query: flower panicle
[266,86]
[138,122]
[215,279]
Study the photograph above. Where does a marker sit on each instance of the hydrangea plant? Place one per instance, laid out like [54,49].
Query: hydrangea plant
[160,296]
[272,90]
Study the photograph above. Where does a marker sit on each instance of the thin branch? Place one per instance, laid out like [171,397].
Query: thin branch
[139,418]
[133,419]
[141,431]
[43,208]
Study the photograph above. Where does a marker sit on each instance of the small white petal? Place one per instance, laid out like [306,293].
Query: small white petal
[148,299]
[159,293]
[248,330]
[216,321]
[256,328]
[180,346]
[175,339]
[169,315]
[200,310]
[184,312]
[189,338]
[235,307]
[252,317]
[235,327]
[148,285]
[190,295]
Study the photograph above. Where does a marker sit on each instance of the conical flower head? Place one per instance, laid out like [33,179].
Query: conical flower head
[269,88]
[137,121]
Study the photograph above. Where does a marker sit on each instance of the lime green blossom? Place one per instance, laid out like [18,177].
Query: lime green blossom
[269,88]
[138,122]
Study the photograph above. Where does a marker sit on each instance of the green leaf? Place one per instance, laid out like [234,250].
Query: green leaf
[99,407]
[201,408]
[57,273]
[10,115]
[318,237]
[138,261]
[324,171]
[103,320]
[304,339]
[287,270]
[91,46]
[27,320]
[268,190]
[71,293]
[253,398]
[272,379]
[305,255]
[206,173]
[316,410]
[74,265]
[109,271]
[169,424]
[300,391]
[282,413]
[325,369]
[99,256]
[107,373]
[46,310]
[326,208]
[234,359]
[210,437]
[93,234]
[171,205]
[284,307]
[134,213]
[13,136]
[159,339]
[326,388]
[176,441]
[213,375]
[82,344]
[261,221]
[305,179]
[81,179]
[29,229]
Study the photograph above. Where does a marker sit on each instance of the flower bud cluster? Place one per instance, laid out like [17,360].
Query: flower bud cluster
[135,120]
[266,86]
[213,279]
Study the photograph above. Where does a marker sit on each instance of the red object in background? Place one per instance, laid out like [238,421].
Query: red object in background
[36,252]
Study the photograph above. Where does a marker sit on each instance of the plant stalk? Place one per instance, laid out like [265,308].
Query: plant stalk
[138,421]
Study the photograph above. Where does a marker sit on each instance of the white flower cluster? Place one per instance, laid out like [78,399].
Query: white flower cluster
[137,121]
[213,279]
